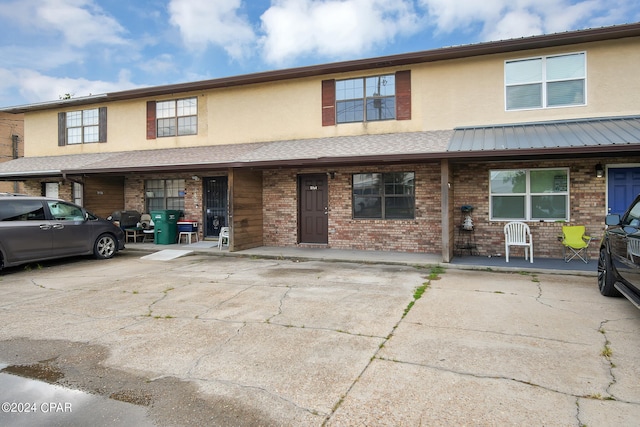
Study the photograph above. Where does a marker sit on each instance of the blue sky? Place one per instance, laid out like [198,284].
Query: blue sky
[50,48]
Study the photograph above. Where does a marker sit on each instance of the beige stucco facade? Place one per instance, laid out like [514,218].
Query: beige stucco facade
[445,95]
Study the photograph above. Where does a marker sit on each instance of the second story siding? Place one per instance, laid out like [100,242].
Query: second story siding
[441,94]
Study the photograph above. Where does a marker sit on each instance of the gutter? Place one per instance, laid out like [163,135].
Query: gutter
[576,152]
[440,54]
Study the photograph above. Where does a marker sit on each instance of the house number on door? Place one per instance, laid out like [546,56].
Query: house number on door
[313,187]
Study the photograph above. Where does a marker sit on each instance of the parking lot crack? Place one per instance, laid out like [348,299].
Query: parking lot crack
[417,294]
[607,353]
[261,390]
[281,303]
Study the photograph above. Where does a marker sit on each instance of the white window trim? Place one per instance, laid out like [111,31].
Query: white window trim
[177,117]
[365,118]
[545,81]
[528,195]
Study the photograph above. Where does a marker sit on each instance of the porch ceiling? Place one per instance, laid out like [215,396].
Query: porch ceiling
[595,135]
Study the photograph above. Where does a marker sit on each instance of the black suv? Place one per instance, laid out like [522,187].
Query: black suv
[619,262]
[39,228]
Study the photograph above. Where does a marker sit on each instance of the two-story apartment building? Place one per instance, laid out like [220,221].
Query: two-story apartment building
[373,154]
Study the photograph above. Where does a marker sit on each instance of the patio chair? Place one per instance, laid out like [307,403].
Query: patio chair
[575,242]
[518,234]
[147,228]
[224,235]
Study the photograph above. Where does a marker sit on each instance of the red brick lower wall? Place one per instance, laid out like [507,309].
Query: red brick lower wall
[421,234]
[587,206]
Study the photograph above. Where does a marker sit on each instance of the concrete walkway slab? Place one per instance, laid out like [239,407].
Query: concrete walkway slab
[166,255]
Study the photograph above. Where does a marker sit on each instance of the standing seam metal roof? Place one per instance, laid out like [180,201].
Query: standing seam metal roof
[607,131]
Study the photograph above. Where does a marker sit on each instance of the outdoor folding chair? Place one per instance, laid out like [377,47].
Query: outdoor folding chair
[575,242]
[518,234]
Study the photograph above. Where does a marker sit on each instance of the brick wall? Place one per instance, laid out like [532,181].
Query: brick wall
[421,234]
[134,195]
[587,206]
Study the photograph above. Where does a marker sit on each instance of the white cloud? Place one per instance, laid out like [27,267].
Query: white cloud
[217,22]
[80,22]
[36,87]
[163,63]
[502,19]
[332,28]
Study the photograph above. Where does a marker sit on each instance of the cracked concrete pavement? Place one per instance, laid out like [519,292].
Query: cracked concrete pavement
[205,340]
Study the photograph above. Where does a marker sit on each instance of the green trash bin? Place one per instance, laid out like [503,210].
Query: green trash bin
[165,226]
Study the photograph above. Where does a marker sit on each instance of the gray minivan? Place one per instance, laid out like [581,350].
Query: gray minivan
[40,228]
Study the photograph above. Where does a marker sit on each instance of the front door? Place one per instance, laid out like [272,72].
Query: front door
[623,187]
[313,209]
[215,205]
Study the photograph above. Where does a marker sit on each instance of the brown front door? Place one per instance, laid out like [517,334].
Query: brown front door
[314,218]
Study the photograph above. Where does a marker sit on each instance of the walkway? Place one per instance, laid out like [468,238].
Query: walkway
[540,265]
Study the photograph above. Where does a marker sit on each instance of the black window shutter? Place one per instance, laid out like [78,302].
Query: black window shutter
[102,131]
[62,129]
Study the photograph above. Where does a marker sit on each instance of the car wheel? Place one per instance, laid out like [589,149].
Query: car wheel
[606,277]
[105,246]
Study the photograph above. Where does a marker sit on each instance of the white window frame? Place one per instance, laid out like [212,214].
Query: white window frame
[347,95]
[528,195]
[176,113]
[78,194]
[83,126]
[544,81]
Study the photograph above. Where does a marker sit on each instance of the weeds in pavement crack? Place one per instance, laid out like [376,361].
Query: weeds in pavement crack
[434,274]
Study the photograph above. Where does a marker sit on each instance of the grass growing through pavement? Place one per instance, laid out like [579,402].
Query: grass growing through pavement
[434,274]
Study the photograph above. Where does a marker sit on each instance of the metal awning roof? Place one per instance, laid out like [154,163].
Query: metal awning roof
[585,135]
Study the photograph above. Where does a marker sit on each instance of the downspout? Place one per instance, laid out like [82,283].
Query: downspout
[14,149]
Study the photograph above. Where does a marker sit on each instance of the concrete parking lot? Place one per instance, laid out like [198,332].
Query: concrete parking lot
[211,340]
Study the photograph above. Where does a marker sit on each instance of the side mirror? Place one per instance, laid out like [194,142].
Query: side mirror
[613,219]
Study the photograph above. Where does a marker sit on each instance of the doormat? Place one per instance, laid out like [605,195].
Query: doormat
[166,255]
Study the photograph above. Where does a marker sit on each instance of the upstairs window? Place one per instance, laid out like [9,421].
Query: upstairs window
[82,126]
[545,82]
[177,117]
[366,99]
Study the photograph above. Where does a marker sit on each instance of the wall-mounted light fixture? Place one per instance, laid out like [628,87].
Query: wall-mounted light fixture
[332,175]
[195,178]
[599,170]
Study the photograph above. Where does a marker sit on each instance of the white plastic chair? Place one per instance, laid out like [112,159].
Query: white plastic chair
[224,235]
[518,234]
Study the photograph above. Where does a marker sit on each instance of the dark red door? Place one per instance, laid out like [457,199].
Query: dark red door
[314,218]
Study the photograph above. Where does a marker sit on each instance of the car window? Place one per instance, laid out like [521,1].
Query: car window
[21,210]
[65,212]
[633,217]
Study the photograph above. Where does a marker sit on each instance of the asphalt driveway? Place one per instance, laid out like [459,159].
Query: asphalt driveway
[204,340]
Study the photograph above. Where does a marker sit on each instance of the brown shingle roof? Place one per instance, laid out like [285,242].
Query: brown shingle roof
[338,150]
